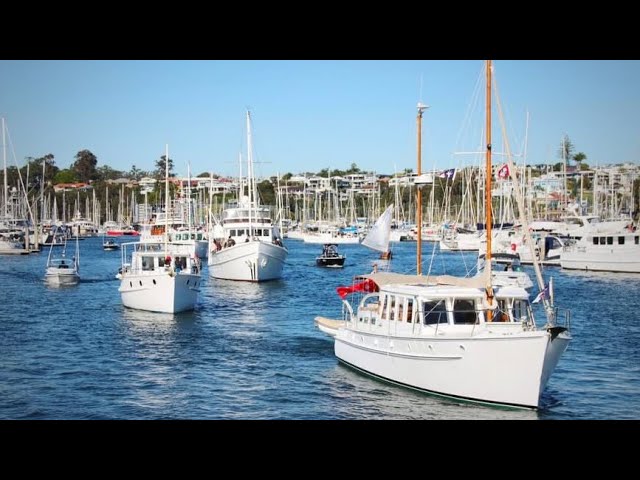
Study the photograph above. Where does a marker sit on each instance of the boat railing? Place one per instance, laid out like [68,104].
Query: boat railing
[347,311]
[562,317]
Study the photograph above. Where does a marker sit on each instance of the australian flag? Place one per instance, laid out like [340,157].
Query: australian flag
[544,294]
[448,174]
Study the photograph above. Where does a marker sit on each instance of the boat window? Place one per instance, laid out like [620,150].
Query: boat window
[385,303]
[464,312]
[609,240]
[409,310]
[147,263]
[240,232]
[603,240]
[392,308]
[501,314]
[232,232]
[637,238]
[520,310]
[160,261]
[435,312]
[595,240]
[620,240]
[265,232]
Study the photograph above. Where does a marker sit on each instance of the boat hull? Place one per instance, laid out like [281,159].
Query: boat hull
[334,262]
[165,292]
[55,276]
[508,370]
[600,261]
[253,261]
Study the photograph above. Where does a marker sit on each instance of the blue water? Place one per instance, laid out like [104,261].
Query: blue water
[252,351]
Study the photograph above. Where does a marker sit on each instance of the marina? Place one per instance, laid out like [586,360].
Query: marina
[493,275]
[252,351]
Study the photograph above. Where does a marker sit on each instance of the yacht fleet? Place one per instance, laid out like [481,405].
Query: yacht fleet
[473,338]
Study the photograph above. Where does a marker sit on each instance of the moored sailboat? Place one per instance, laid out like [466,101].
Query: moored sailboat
[246,245]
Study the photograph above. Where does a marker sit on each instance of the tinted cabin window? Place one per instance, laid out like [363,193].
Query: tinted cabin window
[147,263]
[609,240]
[620,240]
[603,240]
[637,238]
[435,312]
[464,312]
[520,310]
[595,240]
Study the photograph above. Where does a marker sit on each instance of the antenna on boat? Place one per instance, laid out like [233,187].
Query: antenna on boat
[421,108]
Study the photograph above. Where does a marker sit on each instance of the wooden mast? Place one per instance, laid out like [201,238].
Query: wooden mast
[421,109]
[487,193]
[167,203]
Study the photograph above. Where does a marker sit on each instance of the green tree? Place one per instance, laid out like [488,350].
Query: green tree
[85,166]
[566,148]
[105,172]
[579,158]
[65,176]
[267,193]
[135,173]
[50,169]
[161,165]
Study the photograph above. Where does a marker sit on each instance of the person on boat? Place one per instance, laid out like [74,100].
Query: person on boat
[63,264]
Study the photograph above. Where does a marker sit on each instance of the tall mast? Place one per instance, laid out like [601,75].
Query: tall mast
[421,108]
[487,193]
[166,198]
[44,163]
[250,172]
[4,157]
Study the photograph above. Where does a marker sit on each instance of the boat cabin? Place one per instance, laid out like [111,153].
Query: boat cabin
[427,306]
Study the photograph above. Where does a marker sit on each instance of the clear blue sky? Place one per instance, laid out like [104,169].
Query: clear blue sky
[309,115]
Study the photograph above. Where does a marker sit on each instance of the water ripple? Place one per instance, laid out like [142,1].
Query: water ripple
[252,351]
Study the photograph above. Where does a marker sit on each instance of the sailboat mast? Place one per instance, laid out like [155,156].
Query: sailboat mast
[250,173]
[487,192]
[166,198]
[421,109]
[6,187]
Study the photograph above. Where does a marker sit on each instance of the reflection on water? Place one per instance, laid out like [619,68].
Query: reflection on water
[355,395]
